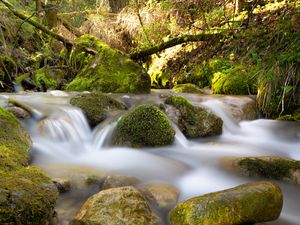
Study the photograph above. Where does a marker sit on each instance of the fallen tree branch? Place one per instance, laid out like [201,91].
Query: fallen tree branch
[173,42]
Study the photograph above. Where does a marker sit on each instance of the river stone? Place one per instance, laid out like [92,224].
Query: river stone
[273,167]
[119,181]
[27,196]
[145,126]
[194,121]
[106,70]
[124,205]
[96,106]
[187,88]
[164,196]
[63,185]
[19,112]
[245,204]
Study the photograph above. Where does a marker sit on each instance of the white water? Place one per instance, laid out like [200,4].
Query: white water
[192,165]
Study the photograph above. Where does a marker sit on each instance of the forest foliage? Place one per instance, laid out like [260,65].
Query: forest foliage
[253,45]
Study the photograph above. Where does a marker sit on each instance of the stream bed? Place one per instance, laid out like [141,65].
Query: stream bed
[65,146]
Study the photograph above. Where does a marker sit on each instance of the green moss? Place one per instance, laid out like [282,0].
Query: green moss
[294,117]
[96,105]
[108,71]
[27,197]
[14,141]
[145,126]
[274,169]
[187,88]
[236,80]
[245,204]
[195,121]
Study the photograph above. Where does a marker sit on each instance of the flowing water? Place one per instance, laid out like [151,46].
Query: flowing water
[63,142]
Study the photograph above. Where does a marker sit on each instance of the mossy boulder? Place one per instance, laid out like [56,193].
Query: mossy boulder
[146,126]
[96,106]
[27,196]
[273,167]
[187,88]
[124,205]
[194,121]
[107,71]
[244,204]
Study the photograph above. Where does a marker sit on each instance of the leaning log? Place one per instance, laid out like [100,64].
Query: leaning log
[173,42]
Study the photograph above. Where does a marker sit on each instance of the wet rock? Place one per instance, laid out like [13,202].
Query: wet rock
[124,205]
[119,181]
[96,106]
[63,185]
[187,88]
[19,112]
[246,204]
[273,167]
[241,108]
[194,121]
[107,71]
[164,196]
[27,196]
[146,126]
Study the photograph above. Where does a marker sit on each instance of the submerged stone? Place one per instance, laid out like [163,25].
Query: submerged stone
[245,204]
[194,121]
[124,205]
[119,181]
[146,126]
[96,106]
[107,71]
[273,167]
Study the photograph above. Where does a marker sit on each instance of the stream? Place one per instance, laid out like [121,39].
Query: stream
[65,146]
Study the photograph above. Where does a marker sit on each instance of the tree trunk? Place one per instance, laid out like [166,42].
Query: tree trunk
[173,42]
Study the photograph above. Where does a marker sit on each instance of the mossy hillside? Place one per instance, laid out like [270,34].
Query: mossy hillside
[27,197]
[108,71]
[96,105]
[195,121]
[146,126]
[246,204]
[274,168]
[187,88]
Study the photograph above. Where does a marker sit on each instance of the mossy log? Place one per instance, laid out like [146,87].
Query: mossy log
[173,42]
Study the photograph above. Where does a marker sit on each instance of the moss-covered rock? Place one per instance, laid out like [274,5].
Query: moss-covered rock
[194,121]
[107,71]
[187,88]
[273,167]
[96,106]
[293,117]
[123,205]
[146,126]
[245,204]
[237,80]
[27,196]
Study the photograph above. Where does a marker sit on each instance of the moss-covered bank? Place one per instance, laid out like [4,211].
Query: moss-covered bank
[26,195]
[107,71]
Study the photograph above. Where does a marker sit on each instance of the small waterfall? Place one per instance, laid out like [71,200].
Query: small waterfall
[218,107]
[102,136]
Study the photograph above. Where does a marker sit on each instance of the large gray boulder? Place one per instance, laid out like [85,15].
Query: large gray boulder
[246,204]
[124,205]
